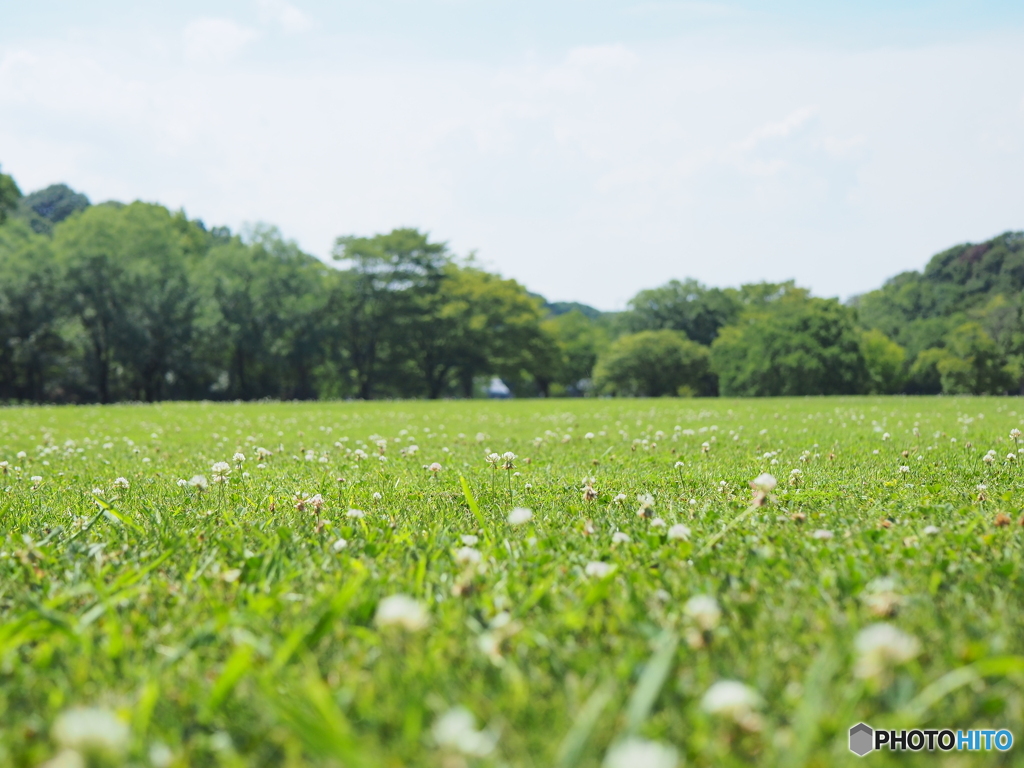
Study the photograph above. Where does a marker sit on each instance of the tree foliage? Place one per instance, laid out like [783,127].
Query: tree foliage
[792,345]
[654,364]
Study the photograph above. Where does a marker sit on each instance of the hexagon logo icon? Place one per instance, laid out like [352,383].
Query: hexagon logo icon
[862,739]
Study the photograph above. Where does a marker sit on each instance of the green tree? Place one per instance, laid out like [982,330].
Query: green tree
[263,317]
[654,364]
[974,364]
[389,276]
[690,307]
[9,196]
[128,286]
[790,345]
[885,361]
[580,340]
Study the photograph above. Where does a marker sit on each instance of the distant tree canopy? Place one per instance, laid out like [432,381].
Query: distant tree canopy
[791,345]
[108,302]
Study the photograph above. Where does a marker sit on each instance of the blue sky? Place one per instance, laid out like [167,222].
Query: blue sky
[588,149]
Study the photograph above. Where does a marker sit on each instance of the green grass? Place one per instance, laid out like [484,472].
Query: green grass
[226,629]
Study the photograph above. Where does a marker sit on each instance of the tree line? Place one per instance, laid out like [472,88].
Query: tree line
[115,302]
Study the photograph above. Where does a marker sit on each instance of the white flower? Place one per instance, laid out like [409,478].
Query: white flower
[121,482]
[598,569]
[1011,457]
[904,469]
[882,646]
[199,482]
[657,523]
[377,496]
[401,611]
[886,436]
[99,491]
[619,498]
[435,467]
[620,538]
[732,699]
[704,611]
[467,556]
[220,471]
[764,483]
[469,540]
[508,460]
[646,504]
[930,530]
[238,458]
[263,454]
[37,479]
[821,533]
[640,753]
[356,514]
[91,730]
[456,729]
[519,515]
[679,531]
[1015,433]
[589,436]
[680,465]
[988,458]
[339,545]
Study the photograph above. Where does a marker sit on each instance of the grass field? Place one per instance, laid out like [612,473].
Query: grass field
[158,610]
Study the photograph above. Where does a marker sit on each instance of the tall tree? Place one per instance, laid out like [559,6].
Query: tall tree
[390,274]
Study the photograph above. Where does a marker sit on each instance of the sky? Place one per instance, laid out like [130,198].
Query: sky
[587,148]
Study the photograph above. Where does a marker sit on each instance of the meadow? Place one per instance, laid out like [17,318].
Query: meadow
[519,583]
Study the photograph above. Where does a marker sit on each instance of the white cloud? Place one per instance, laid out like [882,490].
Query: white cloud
[214,39]
[291,18]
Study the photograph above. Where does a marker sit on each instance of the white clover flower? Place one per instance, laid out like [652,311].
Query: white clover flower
[620,537]
[355,514]
[732,699]
[680,465]
[764,483]
[930,530]
[640,753]
[1015,433]
[91,731]
[520,515]
[199,482]
[467,556]
[679,531]
[263,454]
[220,471]
[121,483]
[401,611]
[339,545]
[646,504]
[988,458]
[469,540]
[359,454]
[821,533]
[99,491]
[704,611]
[37,479]
[238,458]
[435,467]
[886,436]
[904,469]
[456,730]
[377,496]
[657,522]
[493,459]
[508,460]
[881,647]
[1011,457]
[619,498]
[881,598]
[589,436]
[598,569]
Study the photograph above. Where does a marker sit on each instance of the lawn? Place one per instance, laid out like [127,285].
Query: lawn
[282,584]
